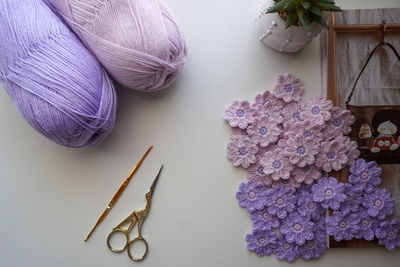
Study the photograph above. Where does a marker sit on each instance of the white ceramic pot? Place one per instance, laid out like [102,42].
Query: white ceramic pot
[272,31]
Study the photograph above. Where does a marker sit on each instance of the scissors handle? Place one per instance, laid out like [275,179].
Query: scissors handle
[132,242]
[119,249]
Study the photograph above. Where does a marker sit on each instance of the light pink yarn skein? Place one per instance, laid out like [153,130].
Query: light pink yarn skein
[138,41]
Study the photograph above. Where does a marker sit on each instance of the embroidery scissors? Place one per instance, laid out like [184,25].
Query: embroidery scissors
[137,216]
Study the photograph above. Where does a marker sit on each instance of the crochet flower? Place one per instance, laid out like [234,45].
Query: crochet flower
[280,201]
[251,196]
[389,234]
[329,193]
[352,152]
[261,242]
[288,88]
[353,200]
[307,129]
[297,229]
[306,174]
[269,111]
[256,173]
[339,124]
[264,132]
[242,151]
[313,249]
[239,114]
[365,176]
[262,220]
[288,183]
[299,150]
[286,251]
[291,114]
[263,98]
[276,164]
[308,207]
[316,109]
[378,203]
[331,156]
[342,227]
[237,132]
[366,226]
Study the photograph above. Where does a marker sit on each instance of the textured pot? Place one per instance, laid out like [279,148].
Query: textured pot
[272,31]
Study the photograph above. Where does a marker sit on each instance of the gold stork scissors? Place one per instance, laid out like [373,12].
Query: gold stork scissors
[137,216]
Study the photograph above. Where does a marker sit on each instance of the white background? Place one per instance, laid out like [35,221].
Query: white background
[51,196]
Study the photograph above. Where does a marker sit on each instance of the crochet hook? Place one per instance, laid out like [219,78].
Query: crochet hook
[119,193]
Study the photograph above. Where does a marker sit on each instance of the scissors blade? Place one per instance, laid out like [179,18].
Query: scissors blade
[153,185]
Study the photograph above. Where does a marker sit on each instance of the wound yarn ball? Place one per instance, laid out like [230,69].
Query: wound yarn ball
[56,84]
[138,41]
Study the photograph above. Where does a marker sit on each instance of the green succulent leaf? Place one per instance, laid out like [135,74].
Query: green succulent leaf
[291,18]
[328,7]
[305,20]
[277,7]
[306,4]
[290,5]
[320,20]
[316,10]
[300,11]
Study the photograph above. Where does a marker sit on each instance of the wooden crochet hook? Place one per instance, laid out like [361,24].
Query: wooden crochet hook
[119,193]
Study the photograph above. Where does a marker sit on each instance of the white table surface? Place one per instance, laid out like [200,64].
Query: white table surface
[51,196]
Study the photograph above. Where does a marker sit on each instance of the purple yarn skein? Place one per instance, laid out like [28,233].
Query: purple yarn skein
[54,81]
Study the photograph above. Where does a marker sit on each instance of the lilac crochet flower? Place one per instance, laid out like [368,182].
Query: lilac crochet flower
[251,196]
[268,111]
[367,225]
[289,88]
[306,174]
[286,251]
[342,227]
[339,124]
[378,203]
[352,152]
[365,176]
[297,229]
[307,206]
[237,132]
[307,129]
[331,156]
[276,164]
[239,114]
[288,183]
[299,150]
[256,173]
[313,249]
[291,114]
[353,200]
[242,151]
[264,132]
[261,242]
[262,220]
[280,201]
[263,98]
[316,109]
[389,234]
[329,193]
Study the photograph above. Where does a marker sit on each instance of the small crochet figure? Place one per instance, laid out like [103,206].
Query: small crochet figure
[385,124]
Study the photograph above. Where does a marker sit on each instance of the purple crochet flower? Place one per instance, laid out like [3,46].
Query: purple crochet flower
[306,174]
[299,150]
[342,227]
[316,109]
[389,234]
[329,193]
[264,132]
[367,225]
[289,88]
[239,114]
[331,156]
[339,124]
[268,111]
[353,200]
[262,220]
[279,201]
[297,229]
[307,129]
[251,196]
[365,176]
[242,151]
[262,242]
[256,173]
[237,132]
[313,249]
[286,251]
[276,164]
[307,206]
[378,203]
[291,114]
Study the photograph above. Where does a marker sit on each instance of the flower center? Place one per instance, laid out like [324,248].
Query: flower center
[252,194]
[279,201]
[328,192]
[337,122]
[286,246]
[307,134]
[276,164]
[263,130]
[240,113]
[364,175]
[301,150]
[311,205]
[310,243]
[306,169]
[266,216]
[378,202]
[288,88]
[365,223]
[261,240]
[296,115]
[315,110]
[342,224]
[391,234]
[242,151]
[260,170]
[297,226]
[244,131]
[331,155]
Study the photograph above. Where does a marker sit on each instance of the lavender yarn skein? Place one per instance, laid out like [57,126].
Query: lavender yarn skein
[56,84]
[138,41]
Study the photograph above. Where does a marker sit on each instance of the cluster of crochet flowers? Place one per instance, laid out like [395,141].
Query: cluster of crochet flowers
[294,223]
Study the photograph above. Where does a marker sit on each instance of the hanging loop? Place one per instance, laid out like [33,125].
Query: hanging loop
[384,31]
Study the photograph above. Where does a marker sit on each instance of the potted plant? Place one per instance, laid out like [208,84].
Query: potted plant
[288,25]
